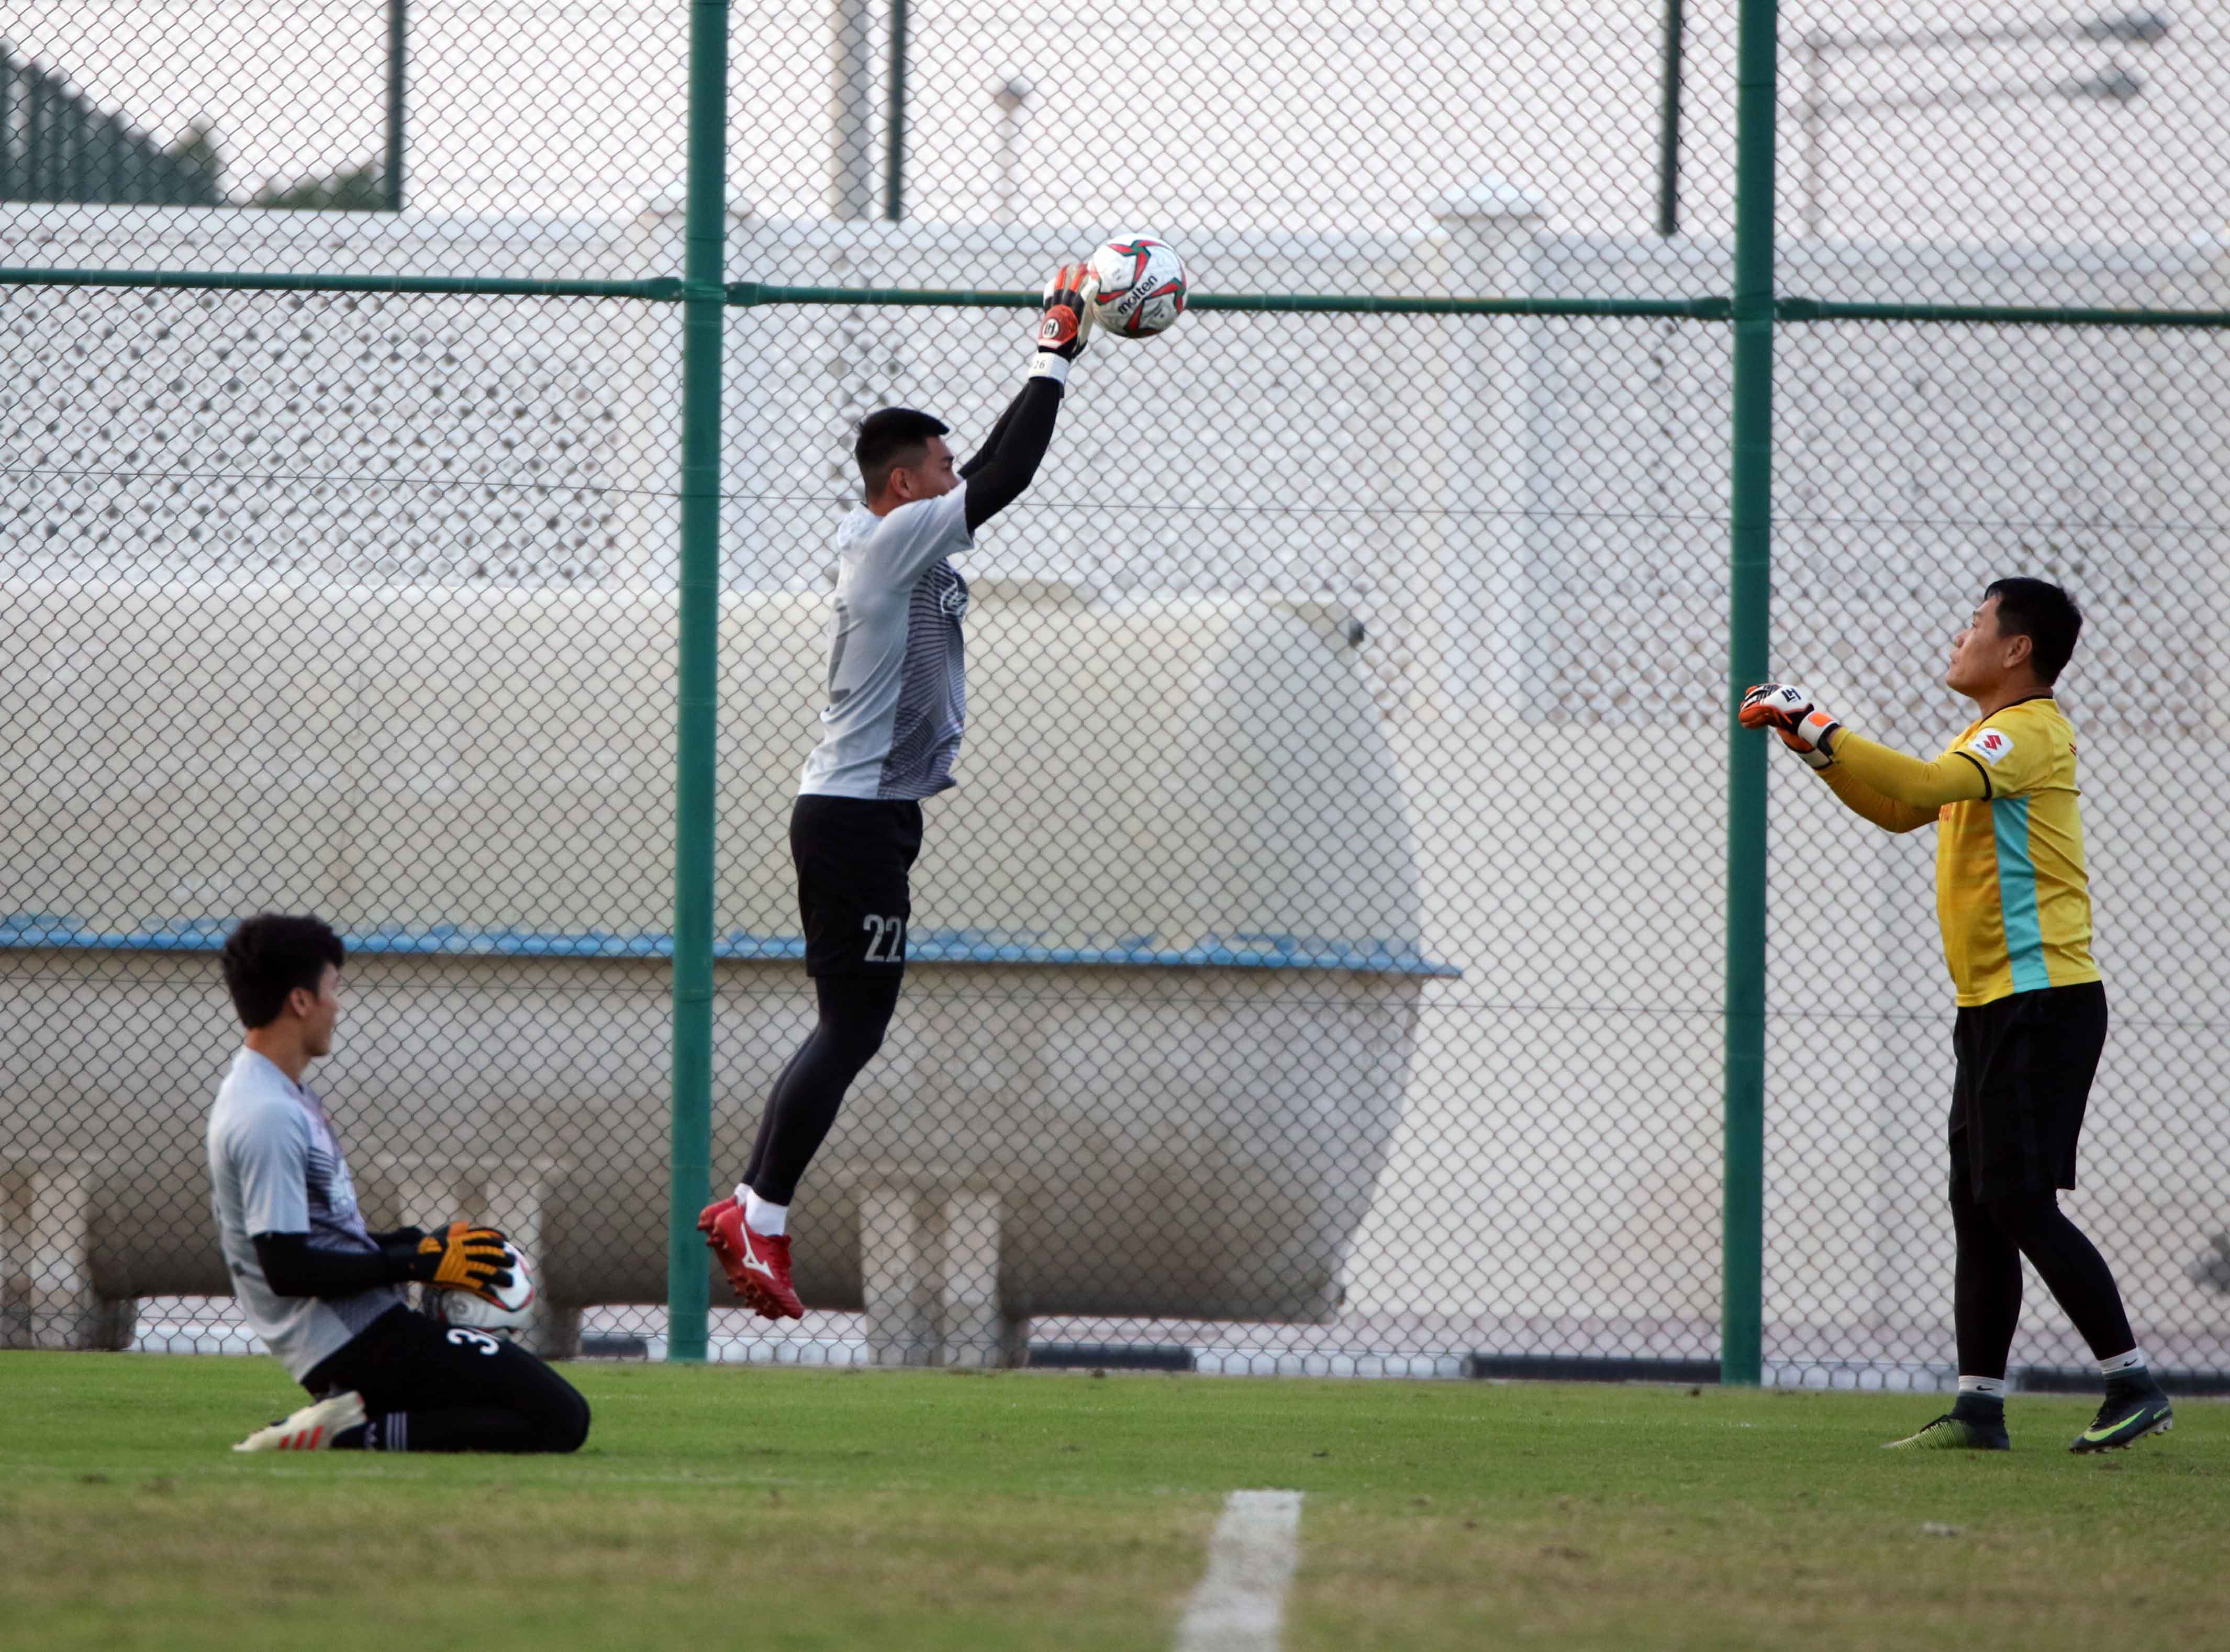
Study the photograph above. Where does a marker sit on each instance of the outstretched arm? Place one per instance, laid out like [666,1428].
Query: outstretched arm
[460,1257]
[1863,800]
[1009,460]
[1914,782]
[1896,792]
[984,454]
[292,1268]
[1024,434]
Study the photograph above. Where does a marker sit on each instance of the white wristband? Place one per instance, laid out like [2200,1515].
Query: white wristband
[1048,365]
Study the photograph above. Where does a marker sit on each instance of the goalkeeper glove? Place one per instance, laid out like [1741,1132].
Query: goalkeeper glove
[1789,711]
[461,1257]
[1064,320]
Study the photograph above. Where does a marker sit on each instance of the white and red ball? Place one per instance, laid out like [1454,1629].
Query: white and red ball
[512,1306]
[1141,287]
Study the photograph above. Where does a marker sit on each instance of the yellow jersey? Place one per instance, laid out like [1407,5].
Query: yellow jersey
[2011,891]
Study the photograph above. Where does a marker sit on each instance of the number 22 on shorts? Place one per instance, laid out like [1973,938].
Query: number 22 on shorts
[886,939]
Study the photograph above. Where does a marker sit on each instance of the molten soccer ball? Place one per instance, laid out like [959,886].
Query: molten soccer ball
[1141,287]
[508,1312]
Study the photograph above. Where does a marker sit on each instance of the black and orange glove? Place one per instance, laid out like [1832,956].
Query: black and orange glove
[1064,319]
[1791,713]
[463,1257]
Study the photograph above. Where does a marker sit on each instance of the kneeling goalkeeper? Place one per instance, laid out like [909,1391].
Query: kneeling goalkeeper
[328,1297]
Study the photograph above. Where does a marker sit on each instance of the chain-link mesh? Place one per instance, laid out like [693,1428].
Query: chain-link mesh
[2092,457]
[1319,966]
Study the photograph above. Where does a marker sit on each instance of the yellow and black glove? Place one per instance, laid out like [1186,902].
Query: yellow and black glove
[463,1257]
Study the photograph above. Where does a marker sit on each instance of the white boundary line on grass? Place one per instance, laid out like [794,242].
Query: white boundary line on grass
[1240,1604]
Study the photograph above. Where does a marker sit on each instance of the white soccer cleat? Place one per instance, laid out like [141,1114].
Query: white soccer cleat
[310,1428]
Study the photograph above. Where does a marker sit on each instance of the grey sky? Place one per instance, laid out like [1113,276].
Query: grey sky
[1222,114]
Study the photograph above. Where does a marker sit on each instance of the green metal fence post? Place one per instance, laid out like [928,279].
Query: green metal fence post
[894,136]
[398,77]
[1668,121]
[704,300]
[1741,1335]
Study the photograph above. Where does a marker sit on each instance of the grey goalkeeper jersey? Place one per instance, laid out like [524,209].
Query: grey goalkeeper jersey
[897,691]
[276,1166]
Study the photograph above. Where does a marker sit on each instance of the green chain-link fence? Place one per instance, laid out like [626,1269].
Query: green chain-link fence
[1346,949]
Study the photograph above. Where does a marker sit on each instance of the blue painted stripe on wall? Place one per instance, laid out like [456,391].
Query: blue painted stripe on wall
[28,930]
[2017,895]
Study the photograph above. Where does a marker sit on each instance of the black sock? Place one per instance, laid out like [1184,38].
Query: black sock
[476,1428]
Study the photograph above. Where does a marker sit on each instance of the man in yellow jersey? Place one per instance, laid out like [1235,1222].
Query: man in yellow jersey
[2014,903]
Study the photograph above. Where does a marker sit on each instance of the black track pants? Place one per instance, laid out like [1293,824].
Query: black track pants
[429,1387]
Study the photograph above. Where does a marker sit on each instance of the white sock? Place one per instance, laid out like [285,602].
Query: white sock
[1988,1387]
[2133,1360]
[772,1220]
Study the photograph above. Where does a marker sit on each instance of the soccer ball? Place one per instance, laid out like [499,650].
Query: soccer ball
[1141,287]
[509,1313]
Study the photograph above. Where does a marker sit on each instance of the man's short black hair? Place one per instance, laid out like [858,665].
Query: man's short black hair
[267,956]
[2045,613]
[892,437]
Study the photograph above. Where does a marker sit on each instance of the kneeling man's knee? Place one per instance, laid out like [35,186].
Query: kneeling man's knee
[568,1430]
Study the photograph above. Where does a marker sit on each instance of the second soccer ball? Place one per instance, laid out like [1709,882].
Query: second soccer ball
[1141,287]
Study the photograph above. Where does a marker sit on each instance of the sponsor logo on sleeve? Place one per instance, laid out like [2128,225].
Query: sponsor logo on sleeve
[1991,745]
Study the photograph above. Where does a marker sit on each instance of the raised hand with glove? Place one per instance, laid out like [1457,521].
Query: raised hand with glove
[1008,462]
[1804,729]
[1064,325]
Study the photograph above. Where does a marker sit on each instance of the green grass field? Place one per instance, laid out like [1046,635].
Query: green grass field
[729,1508]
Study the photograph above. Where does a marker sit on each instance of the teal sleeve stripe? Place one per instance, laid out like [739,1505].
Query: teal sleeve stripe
[2017,895]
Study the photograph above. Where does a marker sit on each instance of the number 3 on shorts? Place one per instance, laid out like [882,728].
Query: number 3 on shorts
[886,939]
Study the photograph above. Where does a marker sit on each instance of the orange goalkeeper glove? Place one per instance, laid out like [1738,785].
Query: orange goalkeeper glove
[463,1257]
[1790,712]
[1064,320]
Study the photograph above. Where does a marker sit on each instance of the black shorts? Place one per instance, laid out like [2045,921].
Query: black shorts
[853,855]
[405,1361]
[2026,1064]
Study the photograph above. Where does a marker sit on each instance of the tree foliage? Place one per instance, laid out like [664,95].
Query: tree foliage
[358,189]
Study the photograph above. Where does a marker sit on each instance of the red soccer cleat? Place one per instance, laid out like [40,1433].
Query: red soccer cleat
[707,1223]
[757,1264]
